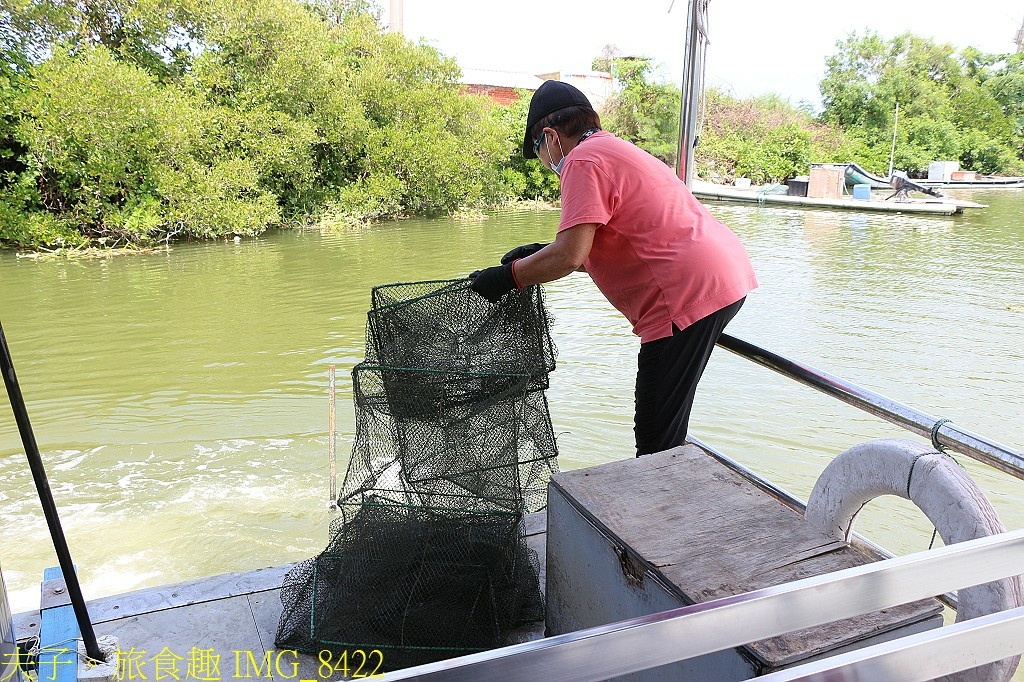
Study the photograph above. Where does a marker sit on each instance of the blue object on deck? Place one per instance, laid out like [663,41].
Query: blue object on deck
[58,636]
[862,192]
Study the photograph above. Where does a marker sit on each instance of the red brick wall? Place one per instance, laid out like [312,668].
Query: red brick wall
[499,94]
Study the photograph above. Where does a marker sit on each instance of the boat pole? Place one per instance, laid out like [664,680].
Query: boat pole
[692,87]
[35,463]
[892,152]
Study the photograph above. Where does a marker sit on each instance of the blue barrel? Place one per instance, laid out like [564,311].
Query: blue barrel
[862,192]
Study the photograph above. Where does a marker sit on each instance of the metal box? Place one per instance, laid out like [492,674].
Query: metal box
[648,534]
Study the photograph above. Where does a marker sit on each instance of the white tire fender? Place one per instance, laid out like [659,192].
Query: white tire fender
[941,489]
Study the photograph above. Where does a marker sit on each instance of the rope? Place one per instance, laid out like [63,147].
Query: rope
[939,450]
[910,476]
[935,435]
[702,28]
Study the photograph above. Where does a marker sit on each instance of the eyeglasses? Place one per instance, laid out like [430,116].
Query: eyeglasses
[536,144]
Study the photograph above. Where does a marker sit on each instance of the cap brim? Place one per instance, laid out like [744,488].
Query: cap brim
[528,145]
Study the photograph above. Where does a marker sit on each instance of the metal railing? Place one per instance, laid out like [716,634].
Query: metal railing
[659,639]
[921,657]
[649,641]
[942,432]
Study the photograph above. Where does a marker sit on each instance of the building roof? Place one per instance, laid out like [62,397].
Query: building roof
[507,79]
[596,85]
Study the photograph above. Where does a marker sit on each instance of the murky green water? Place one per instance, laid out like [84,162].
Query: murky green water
[180,398]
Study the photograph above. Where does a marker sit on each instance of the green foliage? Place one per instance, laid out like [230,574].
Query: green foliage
[92,126]
[952,106]
[519,177]
[208,201]
[128,161]
[391,133]
[1005,82]
[645,113]
[764,139]
[832,144]
[136,121]
[287,111]
[154,35]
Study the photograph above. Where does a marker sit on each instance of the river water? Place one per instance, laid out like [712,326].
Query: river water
[180,398]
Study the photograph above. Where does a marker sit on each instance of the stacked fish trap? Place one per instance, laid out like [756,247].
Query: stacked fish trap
[453,446]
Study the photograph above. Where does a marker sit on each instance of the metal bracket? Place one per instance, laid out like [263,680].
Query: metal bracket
[54,593]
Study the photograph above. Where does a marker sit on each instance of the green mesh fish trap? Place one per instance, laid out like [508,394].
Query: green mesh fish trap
[416,581]
[492,439]
[445,326]
[453,446]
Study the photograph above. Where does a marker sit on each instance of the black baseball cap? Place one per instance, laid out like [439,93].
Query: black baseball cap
[550,97]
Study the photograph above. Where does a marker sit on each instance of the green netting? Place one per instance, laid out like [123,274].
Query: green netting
[445,326]
[453,445]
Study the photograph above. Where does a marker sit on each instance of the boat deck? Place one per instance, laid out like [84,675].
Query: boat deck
[230,620]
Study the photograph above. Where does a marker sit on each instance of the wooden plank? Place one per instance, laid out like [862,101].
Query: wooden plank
[58,639]
[825,183]
[705,532]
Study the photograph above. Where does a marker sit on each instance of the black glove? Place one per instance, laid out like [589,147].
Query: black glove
[521,252]
[493,283]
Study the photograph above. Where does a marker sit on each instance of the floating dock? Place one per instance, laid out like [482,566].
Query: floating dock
[706,191]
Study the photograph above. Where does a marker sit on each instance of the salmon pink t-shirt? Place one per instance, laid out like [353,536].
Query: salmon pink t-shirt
[659,256]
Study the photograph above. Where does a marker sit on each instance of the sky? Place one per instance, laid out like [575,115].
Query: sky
[756,46]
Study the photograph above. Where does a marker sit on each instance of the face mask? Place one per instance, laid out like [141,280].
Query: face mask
[556,167]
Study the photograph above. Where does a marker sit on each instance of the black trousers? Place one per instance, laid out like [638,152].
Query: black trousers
[666,380]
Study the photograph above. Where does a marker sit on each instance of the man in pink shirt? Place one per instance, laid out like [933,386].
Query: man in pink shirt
[655,252]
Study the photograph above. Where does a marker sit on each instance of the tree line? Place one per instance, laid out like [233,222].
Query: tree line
[134,122]
[958,106]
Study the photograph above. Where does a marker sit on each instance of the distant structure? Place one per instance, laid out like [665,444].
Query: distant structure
[596,85]
[503,87]
[395,23]
[1019,38]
